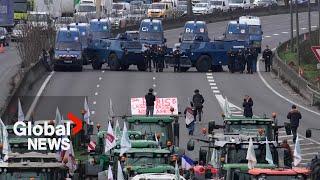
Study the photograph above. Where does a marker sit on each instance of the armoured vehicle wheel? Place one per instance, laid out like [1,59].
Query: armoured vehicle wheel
[114,62]
[203,64]
[184,69]
[217,68]
[142,67]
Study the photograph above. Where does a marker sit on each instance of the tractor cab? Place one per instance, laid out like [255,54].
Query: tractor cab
[194,31]
[144,160]
[32,166]
[151,32]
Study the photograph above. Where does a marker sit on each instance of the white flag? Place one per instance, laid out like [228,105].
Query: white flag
[269,158]
[86,116]
[6,148]
[176,171]
[125,141]
[117,130]
[110,175]
[20,112]
[251,156]
[111,112]
[119,172]
[110,140]
[155,136]
[58,117]
[297,152]
[226,108]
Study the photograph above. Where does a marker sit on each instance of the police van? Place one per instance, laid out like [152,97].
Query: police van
[254,30]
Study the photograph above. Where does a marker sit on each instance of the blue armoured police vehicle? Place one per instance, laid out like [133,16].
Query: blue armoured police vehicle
[84,35]
[254,30]
[151,32]
[197,50]
[99,29]
[68,49]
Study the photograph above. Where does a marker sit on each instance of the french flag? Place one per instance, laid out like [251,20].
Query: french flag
[186,162]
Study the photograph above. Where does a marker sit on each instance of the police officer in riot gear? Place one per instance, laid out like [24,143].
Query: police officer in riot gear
[160,58]
[249,60]
[241,60]
[154,54]
[231,61]
[267,55]
[176,56]
[148,56]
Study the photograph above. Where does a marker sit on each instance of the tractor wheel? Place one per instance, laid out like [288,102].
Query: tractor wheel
[184,69]
[114,62]
[142,67]
[124,67]
[203,63]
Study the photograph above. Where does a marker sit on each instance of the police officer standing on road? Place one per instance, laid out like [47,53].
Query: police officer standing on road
[198,101]
[255,60]
[148,56]
[241,59]
[150,99]
[294,116]
[267,56]
[249,61]
[176,56]
[231,61]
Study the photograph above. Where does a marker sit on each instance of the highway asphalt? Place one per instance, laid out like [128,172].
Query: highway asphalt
[68,89]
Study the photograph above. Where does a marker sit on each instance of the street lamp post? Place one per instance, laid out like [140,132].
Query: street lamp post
[291,26]
[309,18]
[297,30]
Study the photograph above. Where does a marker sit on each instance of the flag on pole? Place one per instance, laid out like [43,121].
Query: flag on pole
[92,146]
[214,158]
[110,141]
[20,112]
[251,156]
[111,112]
[125,141]
[71,164]
[269,158]
[86,116]
[120,172]
[186,162]
[110,175]
[226,108]
[297,152]
[117,130]
[176,171]
[58,118]
[6,148]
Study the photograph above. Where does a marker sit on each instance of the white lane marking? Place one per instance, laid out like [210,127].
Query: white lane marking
[154,78]
[214,87]
[209,77]
[304,28]
[103,71]
[294,30]
[100,78]
[267,36]
[276,34]
[213,84]
[36,99]
[98,85]
[209,74]
[285,32]
[94,102]
[306,144]
[211,80]
[314,26]
[313,148]
[281,96]
[233,108]
[96,93]
[154,85]
[307,154]
[216,91]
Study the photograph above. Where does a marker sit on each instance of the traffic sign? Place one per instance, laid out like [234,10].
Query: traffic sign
[316,51]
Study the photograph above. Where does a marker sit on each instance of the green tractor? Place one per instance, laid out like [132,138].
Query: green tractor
[37,166]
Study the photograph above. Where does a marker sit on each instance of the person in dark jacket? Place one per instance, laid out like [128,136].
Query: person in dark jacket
[148,56]
[294,116]
[247,105]
[150,99]
[241,60]
[231,61]
[267,56]
[255,60]
[177,55]
[197,101]
[249,61]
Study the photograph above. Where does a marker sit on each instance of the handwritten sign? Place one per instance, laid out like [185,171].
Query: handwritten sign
[162,106]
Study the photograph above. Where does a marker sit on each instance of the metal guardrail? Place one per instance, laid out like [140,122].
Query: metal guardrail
[292,77]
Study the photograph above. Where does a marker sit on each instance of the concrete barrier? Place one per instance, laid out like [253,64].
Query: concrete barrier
[22,83]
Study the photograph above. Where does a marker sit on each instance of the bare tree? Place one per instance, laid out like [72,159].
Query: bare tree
[33,39]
